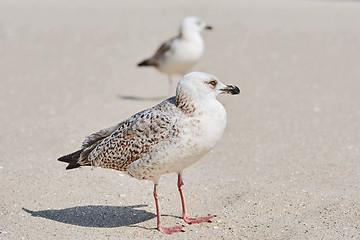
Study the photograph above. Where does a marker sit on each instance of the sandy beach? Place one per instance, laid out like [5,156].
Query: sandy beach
[287,167]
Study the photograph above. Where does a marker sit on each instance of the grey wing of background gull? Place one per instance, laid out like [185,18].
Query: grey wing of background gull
[165,47]
[118,146]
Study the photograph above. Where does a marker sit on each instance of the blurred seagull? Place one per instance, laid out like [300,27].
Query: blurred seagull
[179,54]
[166,138]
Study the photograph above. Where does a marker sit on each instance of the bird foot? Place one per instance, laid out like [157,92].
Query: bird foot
[191,220]
[170,230]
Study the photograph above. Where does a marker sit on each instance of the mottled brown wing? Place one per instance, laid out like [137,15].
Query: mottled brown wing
[130,140]
[98,136]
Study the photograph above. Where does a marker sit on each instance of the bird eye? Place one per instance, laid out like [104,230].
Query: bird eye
[213,83]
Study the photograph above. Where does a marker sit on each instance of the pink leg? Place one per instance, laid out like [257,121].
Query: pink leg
[189,220]
[160,227]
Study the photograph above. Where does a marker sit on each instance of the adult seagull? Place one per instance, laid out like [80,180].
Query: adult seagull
[179,54]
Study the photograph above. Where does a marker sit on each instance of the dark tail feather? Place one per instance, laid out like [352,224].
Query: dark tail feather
[147,62]
[143,63]
[72,159]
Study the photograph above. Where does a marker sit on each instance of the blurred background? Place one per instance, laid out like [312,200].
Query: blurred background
[288,165]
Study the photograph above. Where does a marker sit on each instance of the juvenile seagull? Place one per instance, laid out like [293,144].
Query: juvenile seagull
[166,138]
[179,54]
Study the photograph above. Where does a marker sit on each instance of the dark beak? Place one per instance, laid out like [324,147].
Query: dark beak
[208,27]
[230,89]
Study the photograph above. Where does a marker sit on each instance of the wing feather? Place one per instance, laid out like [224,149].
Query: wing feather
[98,136]
[166,46]
[118,146]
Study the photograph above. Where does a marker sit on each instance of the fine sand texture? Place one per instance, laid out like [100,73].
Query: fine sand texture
[287,167]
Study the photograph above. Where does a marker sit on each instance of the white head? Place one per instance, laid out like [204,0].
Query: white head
[202,86]
[193,24]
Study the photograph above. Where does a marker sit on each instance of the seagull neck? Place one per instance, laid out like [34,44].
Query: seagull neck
[185,103]
[187,35]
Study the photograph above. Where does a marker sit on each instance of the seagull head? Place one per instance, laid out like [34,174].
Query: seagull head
[203,86]
[193,24]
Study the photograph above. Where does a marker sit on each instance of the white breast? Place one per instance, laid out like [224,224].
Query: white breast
[212,123]
[183,55]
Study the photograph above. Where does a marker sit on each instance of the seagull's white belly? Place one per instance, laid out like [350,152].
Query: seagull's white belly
[198,137]
[182,57]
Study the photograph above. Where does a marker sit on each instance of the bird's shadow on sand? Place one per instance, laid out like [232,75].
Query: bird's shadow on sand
[138,98]
[96,216]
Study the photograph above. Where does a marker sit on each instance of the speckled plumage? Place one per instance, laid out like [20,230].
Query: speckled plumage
[165,138]
[134,139]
